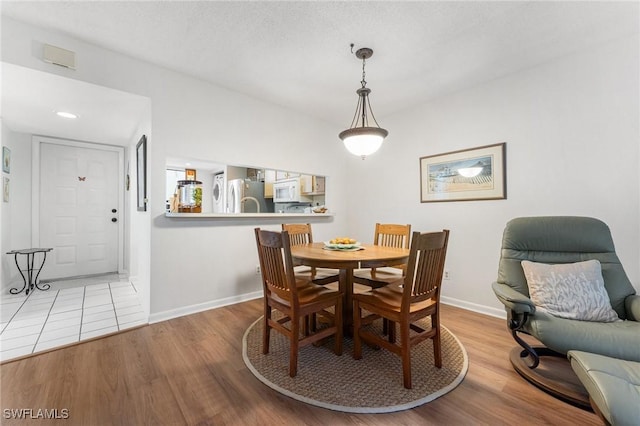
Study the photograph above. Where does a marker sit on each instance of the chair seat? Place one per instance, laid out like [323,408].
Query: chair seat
[319,272]
[320,276]
[357,288]
[309,293]
[390,298]
[378,277]
[618,339]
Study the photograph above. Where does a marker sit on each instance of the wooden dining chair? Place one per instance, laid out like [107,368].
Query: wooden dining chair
[417,298]
[297,299]
[299,234]
[388,235]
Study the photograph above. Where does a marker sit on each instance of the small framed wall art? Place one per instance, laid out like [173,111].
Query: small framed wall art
[5,189]
[189,174]
[468,174]
[6,160]
[141,169]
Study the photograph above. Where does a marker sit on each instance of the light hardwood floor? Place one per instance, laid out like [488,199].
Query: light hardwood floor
[189,370]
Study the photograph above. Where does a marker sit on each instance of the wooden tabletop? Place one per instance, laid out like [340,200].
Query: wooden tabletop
[374,256]
[370,256]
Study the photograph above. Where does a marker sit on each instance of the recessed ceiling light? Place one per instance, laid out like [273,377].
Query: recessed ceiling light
[187,164]
[65,114]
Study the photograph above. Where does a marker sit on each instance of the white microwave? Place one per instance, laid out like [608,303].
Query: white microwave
[288,191]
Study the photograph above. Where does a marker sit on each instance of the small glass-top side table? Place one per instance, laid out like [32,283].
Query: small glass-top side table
[30,281]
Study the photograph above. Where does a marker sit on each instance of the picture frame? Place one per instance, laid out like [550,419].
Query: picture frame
[6,160]
[190,174]
[466,175]
[5,189]
[141,173]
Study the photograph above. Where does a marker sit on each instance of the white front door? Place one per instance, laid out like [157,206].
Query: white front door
[79,209]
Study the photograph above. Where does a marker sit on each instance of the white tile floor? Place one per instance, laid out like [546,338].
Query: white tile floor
[59,316]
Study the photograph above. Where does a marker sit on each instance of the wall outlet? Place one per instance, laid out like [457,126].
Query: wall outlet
[258,271]
[447,275]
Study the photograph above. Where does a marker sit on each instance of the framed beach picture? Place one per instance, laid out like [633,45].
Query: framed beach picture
[469,174]
[141,161]
[6,160]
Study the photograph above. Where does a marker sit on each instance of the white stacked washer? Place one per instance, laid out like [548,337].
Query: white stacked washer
[219,191]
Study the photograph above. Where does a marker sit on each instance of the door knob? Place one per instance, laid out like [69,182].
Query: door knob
[113,219]
[114,211]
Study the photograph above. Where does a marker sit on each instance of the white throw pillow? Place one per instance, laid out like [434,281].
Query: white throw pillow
[571,290]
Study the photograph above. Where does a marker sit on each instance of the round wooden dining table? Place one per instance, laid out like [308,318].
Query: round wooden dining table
[369,256]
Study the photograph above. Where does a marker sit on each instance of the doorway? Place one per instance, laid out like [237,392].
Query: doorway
[78,202]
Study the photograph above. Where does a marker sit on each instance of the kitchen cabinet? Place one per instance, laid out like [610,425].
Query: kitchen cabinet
[269,179]
[312,184]
[309,184]
[318,184]
[280,175]
[306,184]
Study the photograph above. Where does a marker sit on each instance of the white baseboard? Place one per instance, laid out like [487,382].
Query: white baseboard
[212,304]
[482,309]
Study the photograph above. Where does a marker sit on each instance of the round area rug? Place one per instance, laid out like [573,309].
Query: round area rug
[372,384]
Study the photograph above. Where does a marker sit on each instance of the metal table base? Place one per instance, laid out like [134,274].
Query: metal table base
[30,281]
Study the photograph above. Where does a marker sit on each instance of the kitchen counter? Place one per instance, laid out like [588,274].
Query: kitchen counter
[236,216]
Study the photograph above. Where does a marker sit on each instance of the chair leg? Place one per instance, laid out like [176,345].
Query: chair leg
[405,354]
[437,347]
[266,329]
[357,320]
[305,326]
[294,339]
[391,330]
[338,324]
[309,324]
[313,322]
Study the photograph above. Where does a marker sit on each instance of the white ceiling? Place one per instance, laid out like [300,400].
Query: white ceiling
[297,54]
[30,99]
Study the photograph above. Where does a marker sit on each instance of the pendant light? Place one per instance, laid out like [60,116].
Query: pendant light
[360,138]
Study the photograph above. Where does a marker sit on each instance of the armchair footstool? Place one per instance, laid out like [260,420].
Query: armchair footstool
[613,386]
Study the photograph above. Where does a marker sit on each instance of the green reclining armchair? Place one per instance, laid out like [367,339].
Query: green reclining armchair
[564,240]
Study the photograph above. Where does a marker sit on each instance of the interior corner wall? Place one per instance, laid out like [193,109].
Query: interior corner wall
[16,213]
[571,132]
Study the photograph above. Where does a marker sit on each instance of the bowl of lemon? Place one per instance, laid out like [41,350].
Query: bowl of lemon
[342,243]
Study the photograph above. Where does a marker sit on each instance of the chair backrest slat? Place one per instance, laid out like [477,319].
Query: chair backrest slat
[392,235]
[425,266]
[299,233]
[274,252]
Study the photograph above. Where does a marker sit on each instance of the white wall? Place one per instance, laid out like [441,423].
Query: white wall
[572,148]
[16,214]
[201,262]
[571,128]
[138,230]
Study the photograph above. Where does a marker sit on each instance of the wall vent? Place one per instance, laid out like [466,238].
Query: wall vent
[59,56]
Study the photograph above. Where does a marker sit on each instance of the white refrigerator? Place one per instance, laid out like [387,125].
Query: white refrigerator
[244,196]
